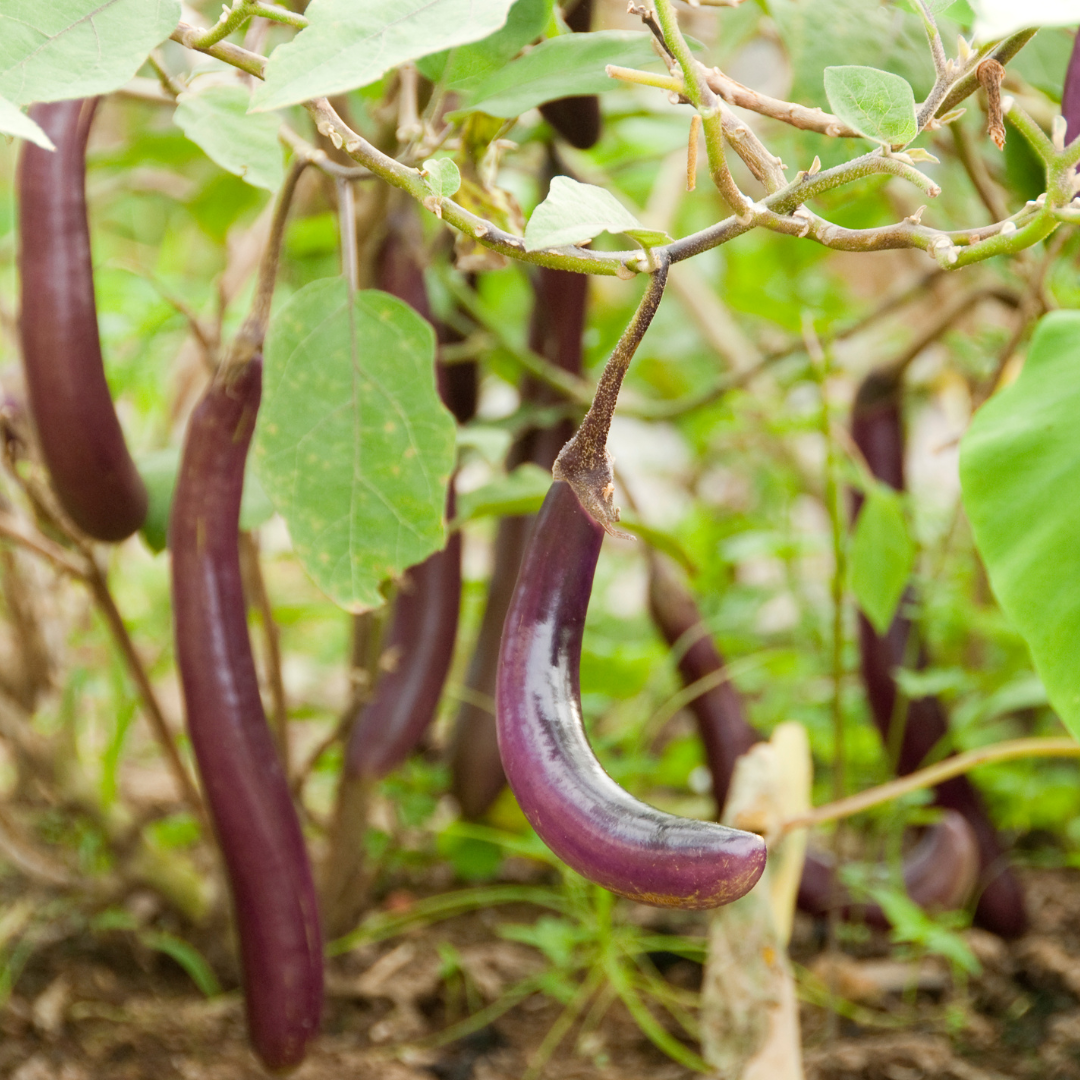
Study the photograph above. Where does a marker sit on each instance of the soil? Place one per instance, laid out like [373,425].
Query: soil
[101,1006]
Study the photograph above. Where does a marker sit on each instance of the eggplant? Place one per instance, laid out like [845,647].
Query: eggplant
[1070,97]
[938,872]
[416,650]
[92,473]
[246,789]
[877,430]
[555,331]
[587,820]
[576,119]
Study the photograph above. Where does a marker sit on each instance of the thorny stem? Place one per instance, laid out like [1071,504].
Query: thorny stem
[931,776]
[584,462]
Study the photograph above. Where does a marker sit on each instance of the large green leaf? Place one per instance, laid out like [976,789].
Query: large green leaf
[464,68]
[353,445]
[349,44]
[1020,472]
[561,67]
[51,50]
[877,103]
[14,122]
[216,120]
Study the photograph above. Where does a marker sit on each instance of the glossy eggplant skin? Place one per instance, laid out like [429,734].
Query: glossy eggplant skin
[417,651]
[555,331]
[576,119]
[245,786]
[586,819]
[92,473]
[1070,98]
[877,430]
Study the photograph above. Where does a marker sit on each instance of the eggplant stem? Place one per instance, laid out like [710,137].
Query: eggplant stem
[584,462]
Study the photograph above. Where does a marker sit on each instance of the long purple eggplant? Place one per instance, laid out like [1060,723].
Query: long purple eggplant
[1070,97]
[590,822]
[938,872]
[877,429]
[92,473]
[576,119]
[555,331]
[246,789]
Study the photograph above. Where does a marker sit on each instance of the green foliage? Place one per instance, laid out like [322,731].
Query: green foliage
[14,122]
[353,445]
[877,103]
[560,67]
[882,556]
[442,176]
[77,48]
[347,45]
[216,120]
[573,213]
[519,492]
[1020,468]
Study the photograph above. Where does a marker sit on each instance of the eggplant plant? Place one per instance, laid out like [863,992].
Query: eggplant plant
[464,163]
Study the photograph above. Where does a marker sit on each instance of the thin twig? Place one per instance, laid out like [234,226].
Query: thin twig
[931,777]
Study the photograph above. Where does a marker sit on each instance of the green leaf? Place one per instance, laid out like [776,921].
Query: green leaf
[353,445]
[442,177]
[519,492]
[464,68]
[14,122]
[216,121]
[158,470]
[348,44]
[187,956]
[1020,474]
[877,103]
[560,67]
[882,556]
[76,48]
[573,213]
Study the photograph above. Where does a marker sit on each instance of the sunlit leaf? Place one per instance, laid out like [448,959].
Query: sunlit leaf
[882,556]
[76,48]
[1020,472]
[353,445]
[348,44]
[877,103]
[17,123]
[573,213]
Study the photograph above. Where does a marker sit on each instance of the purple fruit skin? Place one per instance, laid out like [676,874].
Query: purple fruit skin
[92,473]
[877,429]
[246,789]
[576,119]
[1070,98]
[586,819]
[558,321]
[421,636]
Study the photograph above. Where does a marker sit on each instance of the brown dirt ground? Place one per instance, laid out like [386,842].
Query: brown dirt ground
[103,1008]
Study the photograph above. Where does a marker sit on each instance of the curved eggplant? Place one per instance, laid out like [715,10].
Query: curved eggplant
[92,473]
[416,651]
[576,119]
[939,873]
[877,430]
[246,789]
[555,331]
[590,822]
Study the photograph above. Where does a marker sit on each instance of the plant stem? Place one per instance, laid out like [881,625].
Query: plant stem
[584,462]
[931,776]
